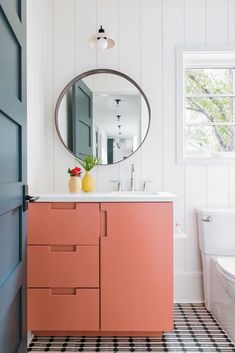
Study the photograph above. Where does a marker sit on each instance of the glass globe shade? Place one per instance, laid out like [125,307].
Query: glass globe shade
[102,43]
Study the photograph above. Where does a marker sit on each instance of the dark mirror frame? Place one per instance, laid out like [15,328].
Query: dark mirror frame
[90,73]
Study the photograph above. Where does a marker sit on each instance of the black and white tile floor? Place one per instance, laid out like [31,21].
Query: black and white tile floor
[195,330]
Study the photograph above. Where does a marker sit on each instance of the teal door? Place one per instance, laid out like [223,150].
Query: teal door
[82,120]
[12,176]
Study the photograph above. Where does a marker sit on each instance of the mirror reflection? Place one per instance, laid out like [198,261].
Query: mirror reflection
[104,115]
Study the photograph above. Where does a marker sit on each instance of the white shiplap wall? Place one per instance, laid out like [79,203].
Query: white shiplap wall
[146,32]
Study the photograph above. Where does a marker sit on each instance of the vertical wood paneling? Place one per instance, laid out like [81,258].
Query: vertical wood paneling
[129,38]
[232,186]
[151,82]
[217,186]
[64,50]
[35,102]
[231,22]
[217,32]
[217,21]
[85,22]
[129,63]
[86,57]
[195,196]
[107,15]
[64,67]
[195,176]
[179,255]
[40,96]
[48,63]
[231,39]
[173,34]
[195,21]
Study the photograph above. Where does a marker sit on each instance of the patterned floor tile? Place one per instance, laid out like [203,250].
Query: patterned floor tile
[195,330]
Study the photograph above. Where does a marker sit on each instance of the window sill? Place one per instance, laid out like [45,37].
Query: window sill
[206,160]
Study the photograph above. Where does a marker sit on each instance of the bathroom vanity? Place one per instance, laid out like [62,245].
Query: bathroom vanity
[100,264]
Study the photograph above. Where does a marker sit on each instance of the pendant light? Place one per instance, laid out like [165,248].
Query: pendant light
[101,40]
[117,101]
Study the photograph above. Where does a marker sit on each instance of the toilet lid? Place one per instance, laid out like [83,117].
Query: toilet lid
[227,265]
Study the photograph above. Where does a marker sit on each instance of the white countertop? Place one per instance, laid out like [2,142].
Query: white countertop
[112,196]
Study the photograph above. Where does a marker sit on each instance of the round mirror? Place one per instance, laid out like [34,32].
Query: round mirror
[103,113]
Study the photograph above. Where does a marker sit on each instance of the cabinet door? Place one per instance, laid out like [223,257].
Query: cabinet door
[136,267]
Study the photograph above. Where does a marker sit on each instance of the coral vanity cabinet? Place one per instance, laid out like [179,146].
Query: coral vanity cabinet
[100,268]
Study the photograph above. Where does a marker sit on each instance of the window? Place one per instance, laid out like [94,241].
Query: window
[206,106]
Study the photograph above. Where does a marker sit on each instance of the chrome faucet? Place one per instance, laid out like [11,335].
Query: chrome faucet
[132,177]
[119,185]
[146,183]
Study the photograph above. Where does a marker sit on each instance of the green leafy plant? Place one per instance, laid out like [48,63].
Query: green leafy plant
[89,162]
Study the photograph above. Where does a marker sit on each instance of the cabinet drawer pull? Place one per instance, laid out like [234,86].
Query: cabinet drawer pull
[103,223]
[63,248]
[63,205]
[63,291]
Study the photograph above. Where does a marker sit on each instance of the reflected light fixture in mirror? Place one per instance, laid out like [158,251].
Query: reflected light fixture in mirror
[118,101]
[102,40]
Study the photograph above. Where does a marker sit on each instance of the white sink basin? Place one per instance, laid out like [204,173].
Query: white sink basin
[136,193]
[111,196]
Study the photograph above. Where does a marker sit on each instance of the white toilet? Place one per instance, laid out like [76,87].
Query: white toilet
[216,228]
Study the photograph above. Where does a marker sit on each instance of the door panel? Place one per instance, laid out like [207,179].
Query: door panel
[82,120]
[12,176]
[136,267]
[11,322]
[10,66]
[110,150]
[10,150]
[10,243]
[17,7]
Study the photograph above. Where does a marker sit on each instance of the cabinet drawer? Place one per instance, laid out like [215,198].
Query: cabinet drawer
[63,266]
[63,223]
[63,310]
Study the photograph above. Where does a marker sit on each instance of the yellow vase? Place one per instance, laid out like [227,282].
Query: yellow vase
[87,182]
[75,184]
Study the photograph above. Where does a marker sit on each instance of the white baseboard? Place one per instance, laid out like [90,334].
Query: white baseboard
[30,336]
[188,287]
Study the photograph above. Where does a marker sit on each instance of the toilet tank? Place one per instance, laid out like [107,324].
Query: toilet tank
[216,227]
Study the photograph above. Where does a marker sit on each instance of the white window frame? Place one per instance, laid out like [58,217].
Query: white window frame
[196,158]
